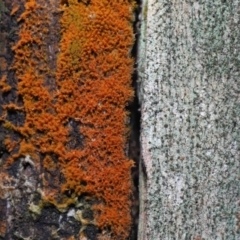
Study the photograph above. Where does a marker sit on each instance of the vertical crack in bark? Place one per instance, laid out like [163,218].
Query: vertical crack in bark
[134,138]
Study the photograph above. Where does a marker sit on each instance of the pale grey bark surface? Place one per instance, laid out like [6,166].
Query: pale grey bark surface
[189,77]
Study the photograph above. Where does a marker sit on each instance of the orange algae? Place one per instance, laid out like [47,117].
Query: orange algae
[10,144]
[32,72]
[14,10]
[4,87]
[93,87]
[94,69]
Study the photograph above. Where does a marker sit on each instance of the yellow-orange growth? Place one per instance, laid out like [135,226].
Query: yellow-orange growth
[92,89]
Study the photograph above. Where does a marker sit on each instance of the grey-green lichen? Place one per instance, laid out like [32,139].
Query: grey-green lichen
[189,91]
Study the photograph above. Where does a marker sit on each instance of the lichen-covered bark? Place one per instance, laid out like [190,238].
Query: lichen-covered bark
[189,93]
[65,82]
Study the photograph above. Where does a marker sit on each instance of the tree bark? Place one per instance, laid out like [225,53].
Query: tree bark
[65,83]
[189,93]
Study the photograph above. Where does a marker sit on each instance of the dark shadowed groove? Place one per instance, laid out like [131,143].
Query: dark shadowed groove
[134,140]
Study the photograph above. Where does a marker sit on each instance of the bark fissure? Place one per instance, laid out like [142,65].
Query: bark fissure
[134,138]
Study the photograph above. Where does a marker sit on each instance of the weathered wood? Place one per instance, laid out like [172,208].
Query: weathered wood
[189,93]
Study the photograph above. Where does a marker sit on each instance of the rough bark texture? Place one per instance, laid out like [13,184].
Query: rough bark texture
[189,94]
[65,83]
